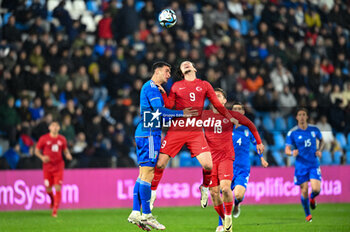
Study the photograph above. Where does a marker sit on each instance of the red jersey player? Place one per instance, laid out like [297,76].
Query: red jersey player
[219,138]
[49,149]
[190,92]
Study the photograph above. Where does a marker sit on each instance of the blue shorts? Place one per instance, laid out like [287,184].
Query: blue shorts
[302,175]
[147,150]
[240,177]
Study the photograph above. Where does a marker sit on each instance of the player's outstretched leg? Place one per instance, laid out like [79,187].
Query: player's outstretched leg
[205,160]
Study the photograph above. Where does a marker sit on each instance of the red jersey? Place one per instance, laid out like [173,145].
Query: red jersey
[184,94]
[219,134]
[53,148]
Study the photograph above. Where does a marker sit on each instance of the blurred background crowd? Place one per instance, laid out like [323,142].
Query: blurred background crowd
[83,63]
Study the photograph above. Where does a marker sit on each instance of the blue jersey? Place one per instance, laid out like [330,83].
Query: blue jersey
[152,110]
[305,142]
[242,137]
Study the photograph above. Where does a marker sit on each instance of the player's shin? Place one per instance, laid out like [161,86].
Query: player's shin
[305,204]
[220,210]
[145,195]
[136,197]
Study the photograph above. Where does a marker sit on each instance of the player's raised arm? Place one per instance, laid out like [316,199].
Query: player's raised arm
[246,122]
[216,103]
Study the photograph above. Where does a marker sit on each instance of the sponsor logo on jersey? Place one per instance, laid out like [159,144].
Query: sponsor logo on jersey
[246,133]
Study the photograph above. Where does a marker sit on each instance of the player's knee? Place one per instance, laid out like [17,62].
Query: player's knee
[208,166]
[226,190]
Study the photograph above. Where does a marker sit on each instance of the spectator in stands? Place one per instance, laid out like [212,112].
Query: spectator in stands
[10,120]
[281,77]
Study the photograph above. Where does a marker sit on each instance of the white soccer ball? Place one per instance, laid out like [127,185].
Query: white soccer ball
[167,18]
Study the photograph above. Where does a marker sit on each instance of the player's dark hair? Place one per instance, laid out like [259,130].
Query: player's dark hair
[178,74]
[302,108]
[221,91]
[159,64]
[238,103]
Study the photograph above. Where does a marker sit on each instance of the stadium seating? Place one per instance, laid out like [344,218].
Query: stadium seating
[278,158]
[279,141]
[268,123]
[340,137]
[185,159]
[280,125]
[326,158]
[337,157]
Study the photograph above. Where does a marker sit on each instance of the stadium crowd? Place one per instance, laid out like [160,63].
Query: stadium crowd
[83,63]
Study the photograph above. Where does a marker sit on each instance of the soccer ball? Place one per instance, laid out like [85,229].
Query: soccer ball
[167,18]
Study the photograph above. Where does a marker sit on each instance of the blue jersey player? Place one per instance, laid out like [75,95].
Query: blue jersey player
[241,138]
[301,143]
[148,140]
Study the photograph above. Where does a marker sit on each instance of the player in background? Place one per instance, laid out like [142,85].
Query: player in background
[241,137]
[219,138]
[301,143]
[148,140]
[49,149]
[189,92]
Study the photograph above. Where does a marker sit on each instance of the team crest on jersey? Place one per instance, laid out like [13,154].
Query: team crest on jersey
[300,137]
[198,88]
[225,120]
[313,134]
[246,133]
[59,143]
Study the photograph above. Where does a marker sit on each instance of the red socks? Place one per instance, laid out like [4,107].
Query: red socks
[220,210]
[51,198]
[206,178]
[57,199]
[158,173]
[228,207]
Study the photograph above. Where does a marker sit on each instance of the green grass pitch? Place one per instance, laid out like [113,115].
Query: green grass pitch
[281,218]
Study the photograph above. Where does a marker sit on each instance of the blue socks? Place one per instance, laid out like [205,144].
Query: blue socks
[220,222]
[238,201]
[314,194]
[145,195]
[305,204]
[136,203]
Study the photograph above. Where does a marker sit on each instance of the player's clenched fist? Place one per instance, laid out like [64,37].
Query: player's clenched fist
[295,152]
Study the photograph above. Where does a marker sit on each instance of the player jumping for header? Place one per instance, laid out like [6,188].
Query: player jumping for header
[148,139]
[189,92]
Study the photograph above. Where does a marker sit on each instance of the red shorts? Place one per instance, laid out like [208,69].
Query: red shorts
[174,141]
[222,170]
[53,178]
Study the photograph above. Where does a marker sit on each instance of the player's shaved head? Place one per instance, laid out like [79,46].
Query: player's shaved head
[159,64]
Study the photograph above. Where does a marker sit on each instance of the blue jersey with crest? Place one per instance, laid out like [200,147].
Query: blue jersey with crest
[151,101]
[305,142]
[242,137]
